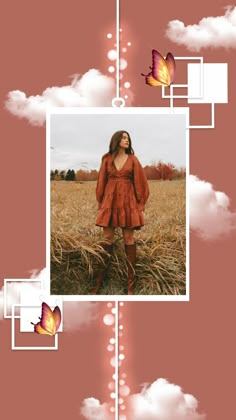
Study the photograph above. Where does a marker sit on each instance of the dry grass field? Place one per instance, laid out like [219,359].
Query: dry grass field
[76,250]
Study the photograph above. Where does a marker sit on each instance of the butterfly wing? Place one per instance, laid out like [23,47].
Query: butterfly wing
[170,61]
[39,329]
[160,70]
[149,79]
[152,78]
[163,70]
[57,317]
[49,321]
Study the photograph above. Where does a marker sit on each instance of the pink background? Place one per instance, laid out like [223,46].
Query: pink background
[190,344]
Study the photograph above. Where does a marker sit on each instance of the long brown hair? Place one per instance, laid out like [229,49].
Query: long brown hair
[115,142]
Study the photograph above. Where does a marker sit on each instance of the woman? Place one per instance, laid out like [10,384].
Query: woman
[122,191]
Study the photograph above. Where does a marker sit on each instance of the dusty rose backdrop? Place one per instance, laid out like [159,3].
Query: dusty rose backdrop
[190,344]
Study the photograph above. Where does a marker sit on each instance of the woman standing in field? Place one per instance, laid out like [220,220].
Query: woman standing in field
[122,191]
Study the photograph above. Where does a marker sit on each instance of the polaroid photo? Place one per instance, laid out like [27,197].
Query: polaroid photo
[117,203]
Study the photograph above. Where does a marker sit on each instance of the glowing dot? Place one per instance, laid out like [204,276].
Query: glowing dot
[124,50]
[111,69]
[126,96]
[109,36]
[123,64]
[121,76]
[112,409]
[110,347]
[109,305]
[113,395]
[121,356]
[121,327]
[111,55]
[124,390]
[121,303]
[129,43]
[111,386]
[127,85]
[108,319]
[121,348]
[113,310]
[122,407]
[120,30]
[114,376]
[113,362]
[121,382]
[112,340]
[120,400]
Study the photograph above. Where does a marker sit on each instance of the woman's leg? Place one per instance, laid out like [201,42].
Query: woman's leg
[128,235]
[108,235]
[130,249]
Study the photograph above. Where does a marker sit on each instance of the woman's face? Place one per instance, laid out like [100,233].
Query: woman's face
[124,142]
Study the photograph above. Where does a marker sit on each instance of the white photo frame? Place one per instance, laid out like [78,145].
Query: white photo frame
[113,113]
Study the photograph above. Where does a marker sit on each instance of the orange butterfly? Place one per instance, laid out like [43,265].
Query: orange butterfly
[49,320]
[162,70]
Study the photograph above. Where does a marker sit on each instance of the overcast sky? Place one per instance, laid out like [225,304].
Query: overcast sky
[79,141]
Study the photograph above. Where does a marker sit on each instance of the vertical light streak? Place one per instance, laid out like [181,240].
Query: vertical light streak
[117,48]
[117,361]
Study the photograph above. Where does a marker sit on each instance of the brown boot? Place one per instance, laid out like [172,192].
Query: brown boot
[131,256]
[103,268]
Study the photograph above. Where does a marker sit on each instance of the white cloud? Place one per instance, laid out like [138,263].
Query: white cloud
[163,401]
[79,314]
[210,216]
[219,31]
[92,89]
[14,290]
[92,409]
[75,314]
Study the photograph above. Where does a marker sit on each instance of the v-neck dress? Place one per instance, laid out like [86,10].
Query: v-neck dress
[121,194]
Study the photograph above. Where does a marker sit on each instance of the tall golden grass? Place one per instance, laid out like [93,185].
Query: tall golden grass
[76,250]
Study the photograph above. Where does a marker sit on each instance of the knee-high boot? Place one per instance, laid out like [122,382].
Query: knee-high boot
[103,268]
[131,256]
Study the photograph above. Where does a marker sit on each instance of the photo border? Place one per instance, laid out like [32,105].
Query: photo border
[118,111]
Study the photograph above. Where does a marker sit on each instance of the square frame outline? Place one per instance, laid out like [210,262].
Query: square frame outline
[13,347]
[118,111]
[171,96]
[5,292]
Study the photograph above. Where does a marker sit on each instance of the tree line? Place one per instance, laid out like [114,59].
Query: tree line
[160,170]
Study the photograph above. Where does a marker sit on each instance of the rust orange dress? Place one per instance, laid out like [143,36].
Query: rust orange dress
[121,194]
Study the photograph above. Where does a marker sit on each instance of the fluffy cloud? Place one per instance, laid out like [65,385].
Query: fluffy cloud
[210,216]
[79,314]
[14,290]
[92,89]
[75,314]
[212,32]
[163,401]
[92,409]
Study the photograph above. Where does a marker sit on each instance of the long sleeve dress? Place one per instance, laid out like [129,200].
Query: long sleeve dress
[121,194]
